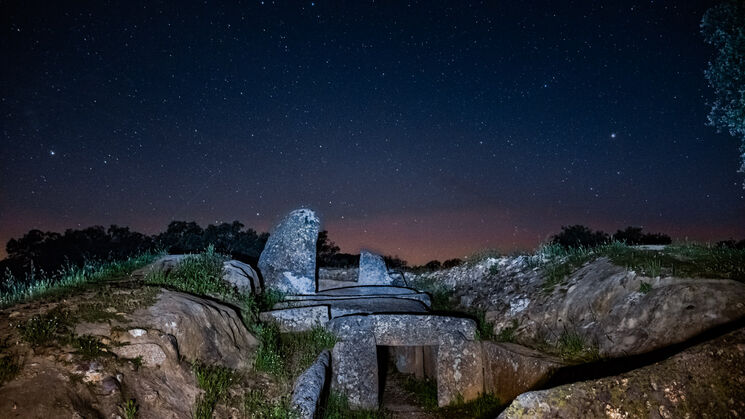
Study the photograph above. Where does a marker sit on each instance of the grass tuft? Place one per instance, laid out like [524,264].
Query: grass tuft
[89,347]
[425,391]
[38,284]
[256,406]
[572,346]
[337,407]
[10,366]
[215,381]
[42,330]
[289,354]
[645,287]
[199,274]
[129,409]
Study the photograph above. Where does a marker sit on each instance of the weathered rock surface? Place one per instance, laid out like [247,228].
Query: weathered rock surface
[288,262]
[342,306]
[297,319]
[241,276]
[204,330]
[460,372]
[355,371]
[510,369]
[373,270]
[707,380]
[163,264]
[459,364]
[600,301]
[306,393]
[238,274]
[330,278]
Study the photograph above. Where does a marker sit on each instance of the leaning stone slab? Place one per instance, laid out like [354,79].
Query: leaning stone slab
[355,371]
[297,319]
[510,369]
[373,270]
[307,390]
[288,262]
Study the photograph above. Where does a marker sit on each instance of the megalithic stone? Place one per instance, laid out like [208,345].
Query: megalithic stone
[288,262]
[373,270]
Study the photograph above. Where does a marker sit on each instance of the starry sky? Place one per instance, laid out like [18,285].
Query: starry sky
[423,129]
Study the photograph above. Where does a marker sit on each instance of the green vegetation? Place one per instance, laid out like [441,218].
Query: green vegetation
[199,274]
[683,260]
[337,407]
[441,294]
[215,381]
[42,330]
[256,406]
[35,285]
[508,333]
[254,304]
[129,409]
[89,347]
[289,354]
[572,346]
[484,328]
[485,406]
[645,287]
[10,366]
[425,391]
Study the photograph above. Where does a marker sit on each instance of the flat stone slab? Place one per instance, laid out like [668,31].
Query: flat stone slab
[305,300]
[405,329]
[370,290]
[367,305]
[297,319]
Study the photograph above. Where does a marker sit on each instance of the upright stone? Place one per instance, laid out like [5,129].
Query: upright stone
[373,270]
[288,262]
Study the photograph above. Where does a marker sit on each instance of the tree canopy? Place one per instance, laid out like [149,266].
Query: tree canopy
[723,27]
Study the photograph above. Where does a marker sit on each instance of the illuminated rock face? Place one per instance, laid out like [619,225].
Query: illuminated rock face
[459,370]
[288,262]
[373,270]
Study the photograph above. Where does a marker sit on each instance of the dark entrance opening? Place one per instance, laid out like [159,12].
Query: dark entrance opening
[399,369]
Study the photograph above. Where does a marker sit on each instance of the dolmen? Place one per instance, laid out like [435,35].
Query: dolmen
[366,313]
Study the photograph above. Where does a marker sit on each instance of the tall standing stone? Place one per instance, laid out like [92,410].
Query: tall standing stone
[288,262]
[373,270]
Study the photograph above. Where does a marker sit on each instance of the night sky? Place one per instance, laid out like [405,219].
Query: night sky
[424,129]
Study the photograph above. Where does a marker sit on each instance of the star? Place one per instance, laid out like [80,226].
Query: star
[52,153]
[613,135]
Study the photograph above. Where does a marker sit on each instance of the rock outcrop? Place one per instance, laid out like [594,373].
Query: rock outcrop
[203,330]
[707,380]
[288,262]
[601,302]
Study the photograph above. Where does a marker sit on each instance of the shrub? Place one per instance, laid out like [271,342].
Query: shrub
[41,330]
[10,366]
[579,236]
[129,409]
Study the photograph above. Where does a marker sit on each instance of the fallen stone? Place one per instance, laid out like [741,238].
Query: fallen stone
[510,369]
[163,264]
[373,270]
[297,319]
[307,390]
[288,262]
[706,380]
